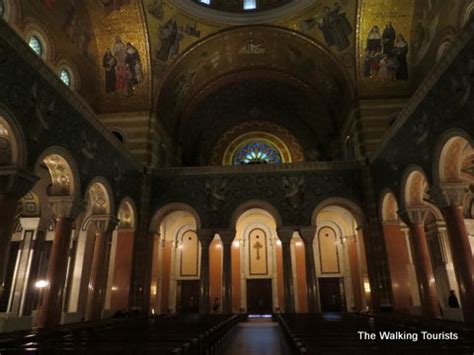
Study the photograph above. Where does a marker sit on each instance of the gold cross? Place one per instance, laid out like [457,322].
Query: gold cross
[258,246]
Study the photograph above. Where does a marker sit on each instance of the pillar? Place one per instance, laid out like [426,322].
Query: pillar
[65,209]
[14,184]
[415,294]
[31,293]
[450,197]
[307,234]
[285,234]
[30,227]
[415,218]
[205,236]
[123,267]
[227,237]
[98,280]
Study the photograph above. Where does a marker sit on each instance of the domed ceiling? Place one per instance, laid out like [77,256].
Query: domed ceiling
[326,53]
[239,6]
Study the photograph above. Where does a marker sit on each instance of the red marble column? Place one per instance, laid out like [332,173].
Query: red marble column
[354,263]
[14,184]
[424,270]
[65,210]
[227,237]
[398,260]
[104,228]
[450,198]
[285,234]
[123,269]
[307,234]
[205,236]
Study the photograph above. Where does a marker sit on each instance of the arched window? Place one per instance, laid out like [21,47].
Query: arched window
[65,77]
[2,8]
[119,135]
[257,152]
[35,45]
[250,4]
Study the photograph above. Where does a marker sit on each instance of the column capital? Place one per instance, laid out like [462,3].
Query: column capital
[68,207]
[16,181]
[205,236]
[285,233]
[307,234]
[104,223]
[447,194]
[414,215]
[226,235]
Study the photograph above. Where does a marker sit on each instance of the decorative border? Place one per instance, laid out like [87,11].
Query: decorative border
[287,144]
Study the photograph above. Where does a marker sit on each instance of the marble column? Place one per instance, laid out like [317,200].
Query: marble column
[415,217]
[32,294]
[450,197]
[285,235]
[30,227]
[227,237]
[307,234]
[65,210]
[205,237]
[98,281]
[14,184]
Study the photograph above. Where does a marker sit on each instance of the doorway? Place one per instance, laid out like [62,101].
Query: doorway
[259,296]
[187,294]
[330,294]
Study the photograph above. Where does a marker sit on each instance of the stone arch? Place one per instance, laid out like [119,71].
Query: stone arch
[65,177]
[264,205]
[100,197]
[12,14]
[164,211]
[66,64]
[13,145]
[466,14]
[351,206]
[413,187]
[127,214]
[445,40]
[452,150]
[388,207]
[33,28]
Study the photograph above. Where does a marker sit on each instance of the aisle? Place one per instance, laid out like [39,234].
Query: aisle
[259,337]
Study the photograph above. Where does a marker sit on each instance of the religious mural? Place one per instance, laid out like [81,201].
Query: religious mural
[170,36]
[74,24]
[113,5]
[122,68]
[385,46]
[386,54]
[333,24]
[75,29]
[426,27]
[156,9]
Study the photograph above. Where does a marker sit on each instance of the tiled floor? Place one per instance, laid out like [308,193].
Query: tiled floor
[259,337]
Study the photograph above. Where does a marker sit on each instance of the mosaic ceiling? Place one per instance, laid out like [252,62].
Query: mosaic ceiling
[173,53]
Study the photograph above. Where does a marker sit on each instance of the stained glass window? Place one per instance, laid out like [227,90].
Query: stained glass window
[257,152]
[65,77]
[2,8]
[35,45]
[207,2]
[250,4]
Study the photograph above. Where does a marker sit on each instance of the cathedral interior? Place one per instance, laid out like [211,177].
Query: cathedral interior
[222,159]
